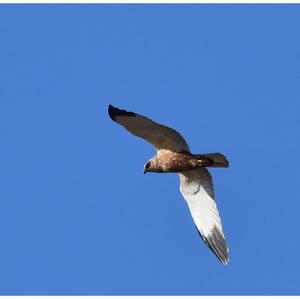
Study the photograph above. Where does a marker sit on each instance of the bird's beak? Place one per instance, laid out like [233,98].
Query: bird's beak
[145,171]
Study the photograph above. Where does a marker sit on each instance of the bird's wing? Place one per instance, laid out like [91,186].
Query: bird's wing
[158,135]
[197,189]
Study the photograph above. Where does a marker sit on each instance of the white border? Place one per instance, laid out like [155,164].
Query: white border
[150,1]
[146,2]
[147,297]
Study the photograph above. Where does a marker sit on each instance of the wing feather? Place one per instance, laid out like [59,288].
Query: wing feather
[160,136]
[197,189]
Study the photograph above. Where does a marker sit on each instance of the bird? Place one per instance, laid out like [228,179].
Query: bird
[196,186]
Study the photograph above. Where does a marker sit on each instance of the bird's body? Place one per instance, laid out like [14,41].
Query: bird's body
[173,155]
[168,161]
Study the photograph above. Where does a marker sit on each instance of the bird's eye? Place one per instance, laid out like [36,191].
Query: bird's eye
[148,165]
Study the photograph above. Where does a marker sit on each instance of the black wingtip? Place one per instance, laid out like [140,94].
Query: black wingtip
[114,112]
[217,245]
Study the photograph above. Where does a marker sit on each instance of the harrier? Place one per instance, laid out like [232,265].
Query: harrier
[173,155]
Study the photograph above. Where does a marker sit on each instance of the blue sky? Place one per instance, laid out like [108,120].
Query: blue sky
[77,214]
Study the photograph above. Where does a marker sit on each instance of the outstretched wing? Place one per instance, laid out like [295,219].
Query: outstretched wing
[158,135]
[197,189]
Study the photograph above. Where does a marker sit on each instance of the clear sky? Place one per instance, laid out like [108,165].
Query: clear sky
[77,214]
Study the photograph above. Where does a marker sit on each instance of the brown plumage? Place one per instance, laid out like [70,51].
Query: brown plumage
[168,161]
[173,155]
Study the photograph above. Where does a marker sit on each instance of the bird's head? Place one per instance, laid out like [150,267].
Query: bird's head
[148,167]
[153,165]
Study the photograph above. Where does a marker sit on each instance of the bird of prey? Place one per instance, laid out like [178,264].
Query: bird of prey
[173,155]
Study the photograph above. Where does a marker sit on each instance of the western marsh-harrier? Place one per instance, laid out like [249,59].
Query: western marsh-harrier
[173,155]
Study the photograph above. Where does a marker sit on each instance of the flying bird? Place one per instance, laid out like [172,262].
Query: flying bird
[173,155]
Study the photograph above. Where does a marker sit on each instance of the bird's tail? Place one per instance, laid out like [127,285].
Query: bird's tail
[213,160]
